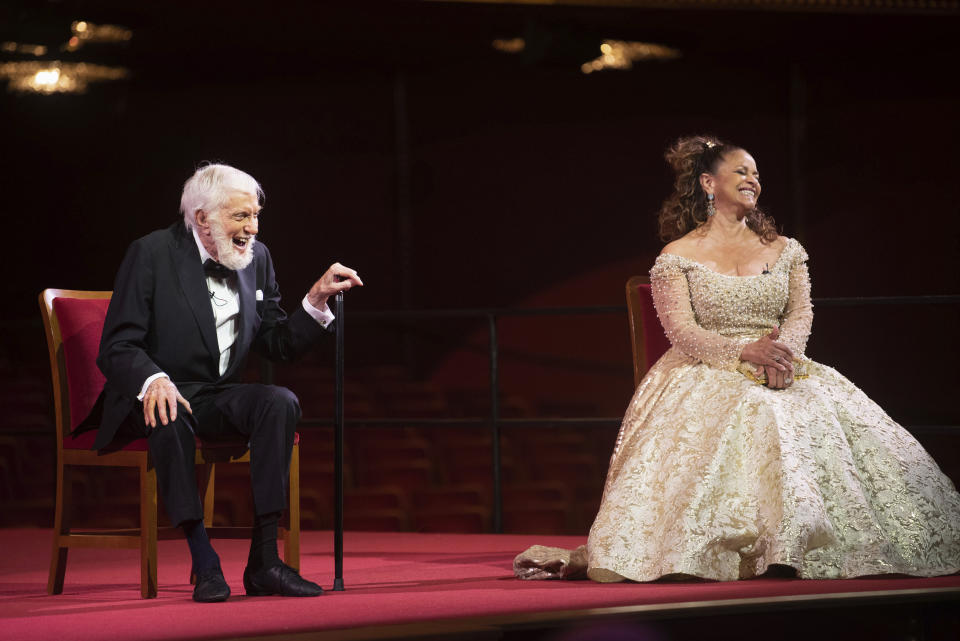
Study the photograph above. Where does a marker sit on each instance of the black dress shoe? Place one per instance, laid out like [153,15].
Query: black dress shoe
[281,580]
[211,586]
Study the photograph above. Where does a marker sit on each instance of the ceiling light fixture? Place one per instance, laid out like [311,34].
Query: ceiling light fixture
[621,54]
[57,76]
[49,77]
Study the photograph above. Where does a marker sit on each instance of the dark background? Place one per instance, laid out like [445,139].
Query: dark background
[392,137]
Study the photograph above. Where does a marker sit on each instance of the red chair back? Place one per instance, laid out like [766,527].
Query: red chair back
[74,323]
[646,333]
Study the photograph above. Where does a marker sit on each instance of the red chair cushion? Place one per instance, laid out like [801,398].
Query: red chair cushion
[212,445]
[81,324]
[654,339]
[84,441]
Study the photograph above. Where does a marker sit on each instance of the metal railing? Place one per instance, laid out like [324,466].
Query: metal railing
[495,421]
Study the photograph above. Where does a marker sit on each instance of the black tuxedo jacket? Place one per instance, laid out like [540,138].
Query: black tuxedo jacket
[160,319]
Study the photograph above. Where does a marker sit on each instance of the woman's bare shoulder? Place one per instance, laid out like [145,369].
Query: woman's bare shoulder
[685,246]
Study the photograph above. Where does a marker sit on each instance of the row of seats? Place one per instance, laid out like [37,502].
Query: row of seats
[377,392]
[396,479]
[403,479]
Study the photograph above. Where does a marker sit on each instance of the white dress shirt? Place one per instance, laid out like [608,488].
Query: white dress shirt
[225,300]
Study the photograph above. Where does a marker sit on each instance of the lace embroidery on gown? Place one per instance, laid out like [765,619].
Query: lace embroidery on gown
[715,476]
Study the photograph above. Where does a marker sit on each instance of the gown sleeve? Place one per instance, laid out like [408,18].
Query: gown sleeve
[671,297]
[797,317]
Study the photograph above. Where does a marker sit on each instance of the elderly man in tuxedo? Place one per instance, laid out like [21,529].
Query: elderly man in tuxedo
[190,302]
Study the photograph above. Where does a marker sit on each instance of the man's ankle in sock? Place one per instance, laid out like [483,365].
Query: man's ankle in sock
[201,552]
[263,541]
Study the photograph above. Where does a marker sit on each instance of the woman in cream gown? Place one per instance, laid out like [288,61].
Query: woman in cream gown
[737,452]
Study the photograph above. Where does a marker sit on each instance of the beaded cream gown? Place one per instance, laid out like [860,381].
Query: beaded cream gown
[717,476]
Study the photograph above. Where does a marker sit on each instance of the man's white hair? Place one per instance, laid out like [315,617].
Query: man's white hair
[211,186]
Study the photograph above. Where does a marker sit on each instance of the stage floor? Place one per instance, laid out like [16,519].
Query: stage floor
[398,585]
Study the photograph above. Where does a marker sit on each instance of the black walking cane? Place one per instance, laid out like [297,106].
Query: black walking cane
[338,448]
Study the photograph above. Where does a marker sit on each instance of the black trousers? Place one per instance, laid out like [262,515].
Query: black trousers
[263,416]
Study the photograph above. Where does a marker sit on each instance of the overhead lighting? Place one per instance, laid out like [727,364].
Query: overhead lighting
[84,32]
[509,45]
[55,76]
[621,54]
[614,54]
[23,48]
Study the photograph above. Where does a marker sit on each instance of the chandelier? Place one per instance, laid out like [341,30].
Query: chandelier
[50,76]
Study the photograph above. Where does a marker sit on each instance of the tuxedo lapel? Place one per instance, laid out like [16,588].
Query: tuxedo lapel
[193,283]
[246,285]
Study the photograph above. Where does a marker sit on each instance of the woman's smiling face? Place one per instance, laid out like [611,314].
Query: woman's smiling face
[735,183]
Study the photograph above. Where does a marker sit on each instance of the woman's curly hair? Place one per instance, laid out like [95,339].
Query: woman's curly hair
[686,208]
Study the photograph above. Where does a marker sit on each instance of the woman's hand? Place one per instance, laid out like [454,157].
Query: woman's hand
[777,379]
[771,356]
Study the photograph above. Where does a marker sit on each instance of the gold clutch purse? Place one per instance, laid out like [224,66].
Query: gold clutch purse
[749,370]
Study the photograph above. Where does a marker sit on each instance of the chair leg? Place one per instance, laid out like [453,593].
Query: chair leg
[148,529]
[291,537]
[61,527]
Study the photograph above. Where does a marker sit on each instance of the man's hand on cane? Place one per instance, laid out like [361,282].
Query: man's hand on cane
[336,279]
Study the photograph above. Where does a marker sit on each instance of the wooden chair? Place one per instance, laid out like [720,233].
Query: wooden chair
[76,384]
[646,333]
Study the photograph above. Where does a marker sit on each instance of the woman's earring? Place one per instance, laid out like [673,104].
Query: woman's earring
[711,210]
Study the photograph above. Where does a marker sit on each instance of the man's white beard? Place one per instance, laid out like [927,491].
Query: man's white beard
[227,254]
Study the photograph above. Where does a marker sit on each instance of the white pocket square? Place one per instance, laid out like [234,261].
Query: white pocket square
[259,294]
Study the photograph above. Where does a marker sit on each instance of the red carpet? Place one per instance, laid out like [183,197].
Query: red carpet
[390,579]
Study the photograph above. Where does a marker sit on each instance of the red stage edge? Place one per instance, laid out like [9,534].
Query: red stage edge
[407,585]
[902,615]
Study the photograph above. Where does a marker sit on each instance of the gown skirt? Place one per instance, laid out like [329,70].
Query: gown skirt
[815,476]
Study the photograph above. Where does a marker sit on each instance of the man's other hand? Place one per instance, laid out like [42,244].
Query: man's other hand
[336,279]
[162,395]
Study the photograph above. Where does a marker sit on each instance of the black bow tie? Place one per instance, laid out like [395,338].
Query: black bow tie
[216,270]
